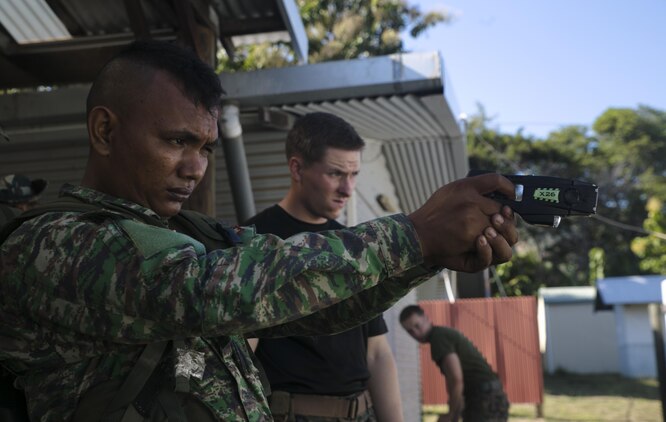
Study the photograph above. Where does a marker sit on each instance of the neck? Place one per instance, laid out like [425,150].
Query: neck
[90,179]
[294,207]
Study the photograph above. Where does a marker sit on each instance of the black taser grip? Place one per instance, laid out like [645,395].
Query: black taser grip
[544,200]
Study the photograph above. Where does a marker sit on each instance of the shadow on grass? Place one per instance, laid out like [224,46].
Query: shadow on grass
[567,384]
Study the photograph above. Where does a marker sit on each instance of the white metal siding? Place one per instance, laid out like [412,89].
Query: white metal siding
[579,339]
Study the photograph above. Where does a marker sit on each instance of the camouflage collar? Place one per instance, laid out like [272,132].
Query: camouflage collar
[96,197]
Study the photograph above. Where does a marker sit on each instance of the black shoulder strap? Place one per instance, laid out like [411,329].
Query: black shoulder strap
[136,379]
[7,213]
[206,230]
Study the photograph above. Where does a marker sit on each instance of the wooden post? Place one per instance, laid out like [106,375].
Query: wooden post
[657,322]
[203,40]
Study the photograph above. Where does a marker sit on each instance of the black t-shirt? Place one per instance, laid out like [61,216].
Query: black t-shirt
[327,365]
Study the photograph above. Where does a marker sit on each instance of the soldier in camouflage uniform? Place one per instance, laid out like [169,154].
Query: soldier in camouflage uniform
[85,294]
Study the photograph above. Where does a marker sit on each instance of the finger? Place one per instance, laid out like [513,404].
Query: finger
[488,206]
[493,182]
[501,249]
[506,227]
[483,256]
[508,213]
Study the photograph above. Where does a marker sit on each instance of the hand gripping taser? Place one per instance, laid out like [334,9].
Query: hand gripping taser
[544,200]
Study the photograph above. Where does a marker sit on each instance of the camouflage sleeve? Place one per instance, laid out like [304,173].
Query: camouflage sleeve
[141,283]
[348,313]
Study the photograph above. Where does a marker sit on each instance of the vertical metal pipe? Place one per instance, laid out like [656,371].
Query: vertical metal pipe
[656,321]
[234,156]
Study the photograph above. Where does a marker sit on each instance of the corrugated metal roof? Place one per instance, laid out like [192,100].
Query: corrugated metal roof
[103,17]
[636,289]
[100,28]
[570,294]
[16,16]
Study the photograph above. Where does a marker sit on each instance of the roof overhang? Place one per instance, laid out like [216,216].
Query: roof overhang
[567,295]
[401,100]
[629,290]
[83,34]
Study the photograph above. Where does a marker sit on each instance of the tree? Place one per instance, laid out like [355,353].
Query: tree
[652,248]
[341,29]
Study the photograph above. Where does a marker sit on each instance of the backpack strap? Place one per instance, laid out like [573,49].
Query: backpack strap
[7,213]
[136,379]
[205,229]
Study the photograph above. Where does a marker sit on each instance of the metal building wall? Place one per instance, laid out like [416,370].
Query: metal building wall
[48,136]
[505,332]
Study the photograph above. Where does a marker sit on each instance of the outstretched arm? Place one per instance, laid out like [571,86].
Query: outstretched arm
[453,373]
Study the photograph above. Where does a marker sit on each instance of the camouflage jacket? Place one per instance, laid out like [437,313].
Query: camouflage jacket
[82,293]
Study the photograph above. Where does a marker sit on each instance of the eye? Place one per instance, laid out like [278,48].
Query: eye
[209,149]
[177,141]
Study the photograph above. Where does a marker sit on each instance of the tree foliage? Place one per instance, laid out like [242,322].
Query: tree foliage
[341,29]
[624,155]
[652,249]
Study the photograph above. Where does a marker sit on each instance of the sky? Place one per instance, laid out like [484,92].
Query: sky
[540,65]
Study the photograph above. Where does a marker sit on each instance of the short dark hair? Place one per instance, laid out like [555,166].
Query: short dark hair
[198,80]
[410,310]
[315,132]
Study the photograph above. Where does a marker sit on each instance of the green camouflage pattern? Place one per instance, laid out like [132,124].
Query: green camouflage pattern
[82,293]
[491,405]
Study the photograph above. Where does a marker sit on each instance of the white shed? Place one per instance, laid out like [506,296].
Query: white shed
[628,297]
[572,336]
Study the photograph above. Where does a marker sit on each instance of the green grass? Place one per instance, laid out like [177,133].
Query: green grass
[588,398]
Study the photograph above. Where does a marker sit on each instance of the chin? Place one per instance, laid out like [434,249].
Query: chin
[334,215]
[169,211]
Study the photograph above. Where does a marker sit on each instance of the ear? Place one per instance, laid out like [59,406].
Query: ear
[295,168]
[101,122]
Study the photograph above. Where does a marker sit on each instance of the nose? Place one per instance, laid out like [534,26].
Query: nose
[193,166]
[347,185]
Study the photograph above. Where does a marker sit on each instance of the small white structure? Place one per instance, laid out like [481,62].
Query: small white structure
[572,336]
[628,297]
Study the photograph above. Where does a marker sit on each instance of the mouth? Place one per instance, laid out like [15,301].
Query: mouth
[179,194]
[340,202]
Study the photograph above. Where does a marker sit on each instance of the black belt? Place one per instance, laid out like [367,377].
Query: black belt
[284,403]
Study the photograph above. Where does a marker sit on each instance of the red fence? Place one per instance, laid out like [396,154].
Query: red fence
[504,330]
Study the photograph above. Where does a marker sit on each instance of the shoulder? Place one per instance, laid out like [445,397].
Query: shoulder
[267,215]
[62,239]
[441,335]
[376,326]
[334,225]
[274,220]
[94,230]
[150,240]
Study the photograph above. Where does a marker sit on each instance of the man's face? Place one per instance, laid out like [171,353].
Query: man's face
[160,147]
[327,184]
[418,326]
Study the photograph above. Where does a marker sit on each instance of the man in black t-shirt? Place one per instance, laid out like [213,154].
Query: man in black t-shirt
[346,376]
